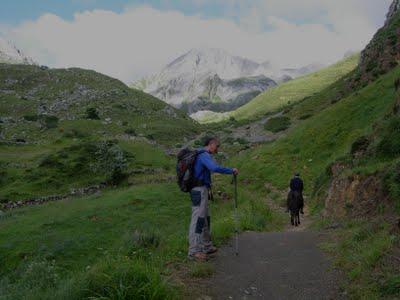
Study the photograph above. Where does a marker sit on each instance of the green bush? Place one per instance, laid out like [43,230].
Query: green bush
[91,113]
[242,141]
[229,140]
[111,160]
[49,121]
[391,182]
[74,133]
[50,161]
[305,116]
[360,144]
[130,131]
[277,124]
[389,144]
[198,143]
[31,118]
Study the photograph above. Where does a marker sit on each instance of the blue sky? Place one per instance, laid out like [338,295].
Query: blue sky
[131,39]
[13,12]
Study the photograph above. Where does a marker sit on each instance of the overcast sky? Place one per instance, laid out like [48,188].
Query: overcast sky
[131,39]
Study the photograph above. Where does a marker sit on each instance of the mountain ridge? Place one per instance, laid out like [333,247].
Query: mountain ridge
[183,82]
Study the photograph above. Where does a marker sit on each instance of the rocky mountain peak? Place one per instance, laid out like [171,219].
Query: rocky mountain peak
[214,79]
[393,9]
[382,53]
[10,54]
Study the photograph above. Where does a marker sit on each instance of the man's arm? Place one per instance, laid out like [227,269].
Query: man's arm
[211,165]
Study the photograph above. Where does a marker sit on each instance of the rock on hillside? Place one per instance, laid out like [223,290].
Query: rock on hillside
[35,99]
[10,54]
[213,79]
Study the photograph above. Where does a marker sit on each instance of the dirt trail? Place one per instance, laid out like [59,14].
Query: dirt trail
[273,265]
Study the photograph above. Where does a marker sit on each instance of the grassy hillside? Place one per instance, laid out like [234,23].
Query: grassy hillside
[287,93]
[64,129]
[123,244]
[364,245]
[43,104]
[322,138]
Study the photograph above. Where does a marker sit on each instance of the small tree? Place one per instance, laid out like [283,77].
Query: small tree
[48,121]
[91,113]
[111,159]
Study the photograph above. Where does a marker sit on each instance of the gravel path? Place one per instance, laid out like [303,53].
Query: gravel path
[273,265]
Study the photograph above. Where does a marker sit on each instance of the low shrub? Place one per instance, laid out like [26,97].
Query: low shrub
[31,118]
[389,144]
[391,182]
[92,114]
[360,145]
[74,133]
[130,131]
[305,116]
[49,121]
[277,124]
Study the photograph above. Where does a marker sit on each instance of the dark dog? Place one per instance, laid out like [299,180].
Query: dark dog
[294,204]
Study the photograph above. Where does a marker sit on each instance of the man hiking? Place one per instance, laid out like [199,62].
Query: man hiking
[297,185]
[200,244]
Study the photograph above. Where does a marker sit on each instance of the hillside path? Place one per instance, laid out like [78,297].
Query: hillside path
[273,265]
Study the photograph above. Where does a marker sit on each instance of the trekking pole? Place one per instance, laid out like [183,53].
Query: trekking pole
[236,216]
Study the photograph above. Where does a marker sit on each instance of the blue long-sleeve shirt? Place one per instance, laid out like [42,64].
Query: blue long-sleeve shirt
[205,165]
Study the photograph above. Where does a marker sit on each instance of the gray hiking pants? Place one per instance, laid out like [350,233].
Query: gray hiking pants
[199,231]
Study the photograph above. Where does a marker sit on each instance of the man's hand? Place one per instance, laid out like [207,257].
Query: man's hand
[235,171]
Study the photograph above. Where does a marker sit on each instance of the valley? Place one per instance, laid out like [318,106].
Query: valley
[116,227]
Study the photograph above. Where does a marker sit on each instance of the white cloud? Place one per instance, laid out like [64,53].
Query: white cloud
[141,40]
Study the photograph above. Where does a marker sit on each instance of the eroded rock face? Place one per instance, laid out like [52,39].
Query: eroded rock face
[394,7]
[353,195]
[382,53]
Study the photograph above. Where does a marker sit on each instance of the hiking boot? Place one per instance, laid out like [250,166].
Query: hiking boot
[198,256]
[211,250]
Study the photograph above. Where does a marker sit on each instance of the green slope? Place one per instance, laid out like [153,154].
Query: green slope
[29,96]
[124,244]
[321,139]
[50,144]
[287,93]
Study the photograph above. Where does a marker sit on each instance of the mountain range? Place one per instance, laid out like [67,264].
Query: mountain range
[213,79]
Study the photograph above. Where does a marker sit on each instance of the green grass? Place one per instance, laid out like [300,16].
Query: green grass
[316,142]
[66,95]
[288,93]
[201,270]
[295,90]
[359,249]
[48,109]
[113,245]
[55,168]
